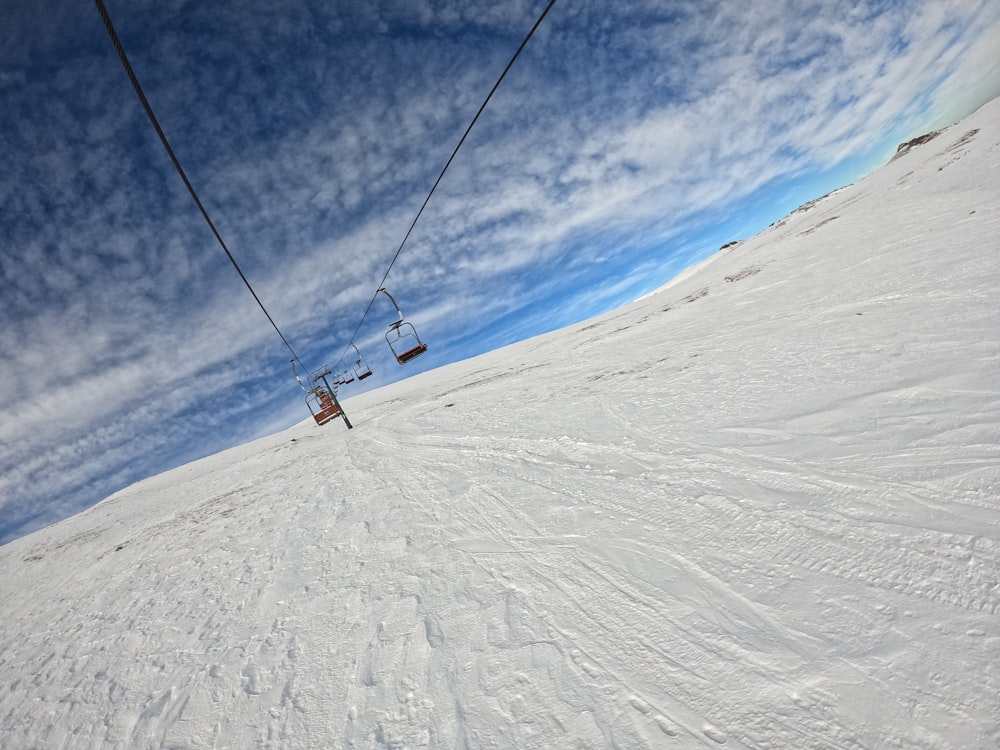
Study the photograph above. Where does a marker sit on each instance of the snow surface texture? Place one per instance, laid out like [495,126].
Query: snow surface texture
[758,509]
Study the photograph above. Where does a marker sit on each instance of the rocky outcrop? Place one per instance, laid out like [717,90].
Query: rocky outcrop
[905,147]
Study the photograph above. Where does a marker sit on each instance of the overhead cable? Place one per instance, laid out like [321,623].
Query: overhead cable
[177,165]
[451,158]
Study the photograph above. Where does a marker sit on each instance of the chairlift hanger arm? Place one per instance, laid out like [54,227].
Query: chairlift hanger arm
[296,374]
[393,301]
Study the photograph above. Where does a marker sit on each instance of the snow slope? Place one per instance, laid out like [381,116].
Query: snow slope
[759,509]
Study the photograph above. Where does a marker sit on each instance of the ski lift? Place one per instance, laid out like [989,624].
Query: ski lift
[346,375]
[402,337]
[321,399]
[361,368]
[322,405]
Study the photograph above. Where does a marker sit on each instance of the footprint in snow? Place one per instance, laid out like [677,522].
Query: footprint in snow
[432,628]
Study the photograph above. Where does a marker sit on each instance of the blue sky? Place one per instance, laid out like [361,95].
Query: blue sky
[629,140]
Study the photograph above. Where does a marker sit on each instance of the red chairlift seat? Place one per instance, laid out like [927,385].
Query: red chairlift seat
[322,406]
[404,357]
[321,400]
[404,342]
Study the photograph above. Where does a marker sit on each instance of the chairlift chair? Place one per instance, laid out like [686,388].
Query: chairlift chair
[345,374]
[322,405]
[361,368]
[321,398]
[404,342]
[402,337]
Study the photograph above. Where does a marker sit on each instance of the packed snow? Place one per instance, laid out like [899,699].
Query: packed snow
[757,509]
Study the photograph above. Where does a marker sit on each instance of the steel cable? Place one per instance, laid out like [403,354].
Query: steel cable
[177,165]
[451,158]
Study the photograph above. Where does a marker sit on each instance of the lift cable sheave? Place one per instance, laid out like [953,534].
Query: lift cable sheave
[177,165]
[451,158]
